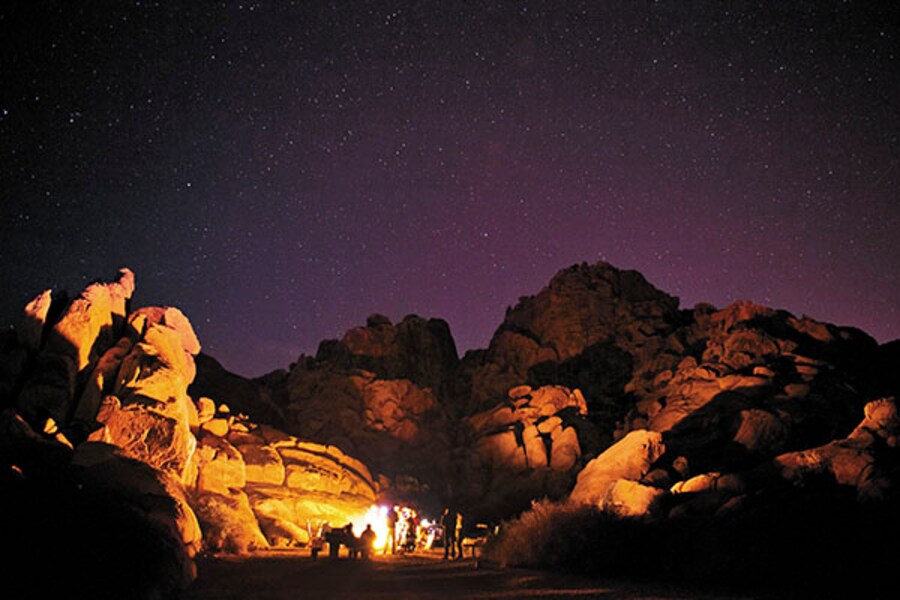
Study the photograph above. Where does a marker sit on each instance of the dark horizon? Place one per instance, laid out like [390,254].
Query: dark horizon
[281,172]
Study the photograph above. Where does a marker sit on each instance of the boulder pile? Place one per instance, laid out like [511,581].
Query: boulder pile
[596,355]
[94,405]
[599,388]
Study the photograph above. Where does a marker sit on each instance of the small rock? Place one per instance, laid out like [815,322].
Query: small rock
[206,409]
[217,427]
[520,391]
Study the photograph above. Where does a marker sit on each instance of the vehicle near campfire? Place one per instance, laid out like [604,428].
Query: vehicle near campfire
[476,539]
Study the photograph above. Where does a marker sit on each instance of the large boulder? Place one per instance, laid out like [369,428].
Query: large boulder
[31,331]
[527,447]
[154,422]
[325,469]
[866,460]
[160,494]
[149,436]
[159,367]
[220,467]
[630,459]
[263,464]
[627,498]
[92,322]
[228,522]
[88,510]
[101,382]
[528,431]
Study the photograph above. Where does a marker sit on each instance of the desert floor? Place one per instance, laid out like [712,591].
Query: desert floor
[294,575]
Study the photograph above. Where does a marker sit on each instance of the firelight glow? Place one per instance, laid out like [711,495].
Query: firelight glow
[376,516]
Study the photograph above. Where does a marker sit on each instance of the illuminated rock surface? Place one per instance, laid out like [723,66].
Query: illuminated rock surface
[96,410]
[629,459]
[395,426]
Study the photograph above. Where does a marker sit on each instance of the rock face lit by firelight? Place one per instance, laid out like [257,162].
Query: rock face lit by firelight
[96,411]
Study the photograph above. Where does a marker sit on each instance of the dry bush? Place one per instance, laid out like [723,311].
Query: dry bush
[799,543]
[548,535]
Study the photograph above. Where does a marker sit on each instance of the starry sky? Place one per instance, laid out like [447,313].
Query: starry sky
[281,170]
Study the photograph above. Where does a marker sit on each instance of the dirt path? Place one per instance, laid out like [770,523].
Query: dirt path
[282,576]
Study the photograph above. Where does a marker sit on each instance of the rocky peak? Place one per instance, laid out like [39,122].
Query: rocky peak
[589,304]
[582,330]
[421,350]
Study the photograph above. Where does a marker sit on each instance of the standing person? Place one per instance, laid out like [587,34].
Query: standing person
[459,535]
[392,518]
[351,541]
[333,537]
[367,542]
[448,524]
[412,529]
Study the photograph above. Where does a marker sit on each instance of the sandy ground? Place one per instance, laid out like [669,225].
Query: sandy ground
[294,575]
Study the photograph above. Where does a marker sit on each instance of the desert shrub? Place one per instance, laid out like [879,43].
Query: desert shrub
[541,536]
[799,543]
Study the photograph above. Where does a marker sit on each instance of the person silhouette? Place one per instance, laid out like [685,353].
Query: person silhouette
[367,542]
[392,518]
[459,535]
[448,524]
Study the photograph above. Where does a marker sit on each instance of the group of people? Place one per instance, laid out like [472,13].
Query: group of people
[403,530]
[452,525]
[357,547]
[405,534]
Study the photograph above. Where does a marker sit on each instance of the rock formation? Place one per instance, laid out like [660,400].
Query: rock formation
[255,486]
[733,393]
[417,349]
[95,408]
[598,388]
[585,330]
[522,449]
[722,390]
[494,462]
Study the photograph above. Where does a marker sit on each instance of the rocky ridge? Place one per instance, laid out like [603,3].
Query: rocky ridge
[723,390]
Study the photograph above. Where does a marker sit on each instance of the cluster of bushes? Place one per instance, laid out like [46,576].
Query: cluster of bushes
[794,542]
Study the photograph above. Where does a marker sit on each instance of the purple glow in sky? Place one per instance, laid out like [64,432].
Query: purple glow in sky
[281,170]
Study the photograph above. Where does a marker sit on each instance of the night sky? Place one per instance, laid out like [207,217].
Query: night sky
[279,171]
